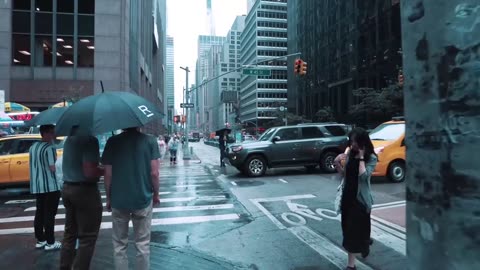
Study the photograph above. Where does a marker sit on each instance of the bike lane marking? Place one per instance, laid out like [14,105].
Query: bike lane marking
[283,180]
[317,242]
[393,238]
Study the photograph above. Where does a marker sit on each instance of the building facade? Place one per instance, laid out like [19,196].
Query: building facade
[263,39]
[203,72]
[355,44]
[170,84]
[55,50]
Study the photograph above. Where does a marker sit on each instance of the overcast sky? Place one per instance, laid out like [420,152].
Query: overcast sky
[187,19]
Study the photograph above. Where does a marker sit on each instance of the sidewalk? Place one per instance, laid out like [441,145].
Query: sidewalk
[210,156]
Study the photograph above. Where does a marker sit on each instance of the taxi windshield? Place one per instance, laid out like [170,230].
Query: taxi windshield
[387,132]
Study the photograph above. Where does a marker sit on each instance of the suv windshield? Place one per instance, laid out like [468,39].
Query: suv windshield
[266,136]
[387,132]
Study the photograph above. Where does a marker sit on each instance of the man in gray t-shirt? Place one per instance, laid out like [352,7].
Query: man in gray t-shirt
[82,201]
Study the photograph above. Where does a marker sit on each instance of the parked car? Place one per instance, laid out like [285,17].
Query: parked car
[14,157]
[389,142]
[308,145]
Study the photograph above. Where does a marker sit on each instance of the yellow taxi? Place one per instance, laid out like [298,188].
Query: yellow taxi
[389,142]
[14,157]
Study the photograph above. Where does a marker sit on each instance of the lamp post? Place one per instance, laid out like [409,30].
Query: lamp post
[186,150]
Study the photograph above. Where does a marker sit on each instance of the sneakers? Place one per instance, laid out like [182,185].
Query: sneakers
[56,245]
[40,244]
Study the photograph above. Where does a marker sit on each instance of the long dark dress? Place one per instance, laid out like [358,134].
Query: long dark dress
[355,218]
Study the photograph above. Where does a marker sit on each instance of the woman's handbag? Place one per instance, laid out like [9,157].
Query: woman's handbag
[338,199]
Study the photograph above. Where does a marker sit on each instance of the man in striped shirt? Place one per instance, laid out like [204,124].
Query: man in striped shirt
[44,185]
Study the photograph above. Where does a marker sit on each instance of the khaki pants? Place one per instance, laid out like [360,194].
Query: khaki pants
[142,221]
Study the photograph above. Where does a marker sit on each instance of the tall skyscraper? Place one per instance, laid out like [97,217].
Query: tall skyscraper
[203,73]
[264,38]
[210,19]
[170,83]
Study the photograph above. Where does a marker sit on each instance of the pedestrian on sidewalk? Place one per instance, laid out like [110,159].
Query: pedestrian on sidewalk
[356,197]
[43,183]
[82,201]
[131,189]
[173,148]
[222,144]
[162,146]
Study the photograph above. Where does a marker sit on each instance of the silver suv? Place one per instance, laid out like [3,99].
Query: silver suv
[308,145]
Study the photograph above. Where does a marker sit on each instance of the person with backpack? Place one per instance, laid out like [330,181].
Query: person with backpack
[173,148]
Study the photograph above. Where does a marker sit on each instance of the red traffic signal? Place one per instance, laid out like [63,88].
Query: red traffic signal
[297,66]
[176,119]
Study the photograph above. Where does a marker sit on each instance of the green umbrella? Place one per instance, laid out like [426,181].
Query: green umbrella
[106,112]
[47,117]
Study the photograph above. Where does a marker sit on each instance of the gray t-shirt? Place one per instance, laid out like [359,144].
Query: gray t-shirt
[76,151]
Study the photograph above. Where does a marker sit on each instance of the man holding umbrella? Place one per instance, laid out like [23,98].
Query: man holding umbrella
[222,143]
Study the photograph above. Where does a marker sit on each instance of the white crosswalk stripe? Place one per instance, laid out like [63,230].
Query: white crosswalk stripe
[188,195]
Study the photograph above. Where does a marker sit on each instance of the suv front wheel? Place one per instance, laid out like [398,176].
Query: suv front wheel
[327,161]
[255,166]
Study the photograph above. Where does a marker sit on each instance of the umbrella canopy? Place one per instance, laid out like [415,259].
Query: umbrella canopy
[106,112]
[47,117]
[220,132]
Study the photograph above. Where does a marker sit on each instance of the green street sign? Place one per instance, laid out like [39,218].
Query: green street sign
[256,72]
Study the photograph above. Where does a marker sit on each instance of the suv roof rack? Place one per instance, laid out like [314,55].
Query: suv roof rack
[398,118]
[321,123]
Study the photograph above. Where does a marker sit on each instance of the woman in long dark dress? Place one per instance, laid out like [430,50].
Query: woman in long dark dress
[356,203]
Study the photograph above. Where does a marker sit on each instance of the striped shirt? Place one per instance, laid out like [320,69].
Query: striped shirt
[42,179]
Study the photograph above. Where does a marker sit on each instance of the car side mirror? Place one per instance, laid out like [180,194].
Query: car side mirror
[276,139]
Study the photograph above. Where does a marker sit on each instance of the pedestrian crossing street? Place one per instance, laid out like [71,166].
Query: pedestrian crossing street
[188,195]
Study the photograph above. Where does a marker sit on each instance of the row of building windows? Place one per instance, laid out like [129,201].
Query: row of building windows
[279,44]
[63,6]
[272,85]
[272,95]
[44,23]
[268,104]
[272,34]
[276,1]
[271,7]
[274,15]
[271,53]
[272,24]
[267,114]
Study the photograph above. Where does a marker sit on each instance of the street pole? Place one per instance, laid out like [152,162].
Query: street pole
[186,150]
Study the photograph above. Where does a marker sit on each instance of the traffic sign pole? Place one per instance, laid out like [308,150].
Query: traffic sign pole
[186,150]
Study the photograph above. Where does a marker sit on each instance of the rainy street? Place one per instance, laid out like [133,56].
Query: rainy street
[215,218]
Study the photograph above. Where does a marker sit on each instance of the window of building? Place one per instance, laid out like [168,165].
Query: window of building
[86,7]
[45,5]
[65,23]
[86,25]
[21,4]
[86,51]
[43,51]
[21,22]
[66,6]
[43,23]
[21,50]
[65,51]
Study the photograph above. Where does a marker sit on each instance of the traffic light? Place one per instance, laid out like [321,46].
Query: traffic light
[176,119]
[303,69]
[400,78]
[297,66]
[184,119]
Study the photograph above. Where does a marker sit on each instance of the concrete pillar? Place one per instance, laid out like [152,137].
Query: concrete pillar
[6,46]
[441,46]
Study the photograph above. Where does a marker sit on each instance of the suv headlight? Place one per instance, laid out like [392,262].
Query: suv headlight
[236,149]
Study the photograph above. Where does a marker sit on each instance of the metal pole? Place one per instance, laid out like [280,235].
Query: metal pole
[186,150]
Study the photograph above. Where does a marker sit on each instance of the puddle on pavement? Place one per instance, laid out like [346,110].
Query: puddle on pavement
[171,238]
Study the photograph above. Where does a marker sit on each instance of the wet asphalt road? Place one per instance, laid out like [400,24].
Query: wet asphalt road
[215,218]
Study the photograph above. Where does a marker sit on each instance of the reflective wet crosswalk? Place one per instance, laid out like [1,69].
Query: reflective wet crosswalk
[189,194]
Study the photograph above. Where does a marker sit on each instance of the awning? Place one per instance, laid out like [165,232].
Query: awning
[15,107]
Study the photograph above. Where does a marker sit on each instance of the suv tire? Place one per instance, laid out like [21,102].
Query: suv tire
[327,161]
[396,171]
[255,166]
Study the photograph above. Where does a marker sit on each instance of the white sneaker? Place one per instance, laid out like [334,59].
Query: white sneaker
[56,245]
[40,244]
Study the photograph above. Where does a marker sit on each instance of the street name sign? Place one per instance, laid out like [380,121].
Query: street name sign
[257,72]
[186,105]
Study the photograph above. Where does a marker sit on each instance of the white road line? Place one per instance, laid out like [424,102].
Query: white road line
[103,197]
[388,239]
[267,213]
[283,180]
[183,199]
[233,183]
[157,221]
[285,198]
[154,210]
[383,205]
[389,224]
[389,230]
[324,247]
